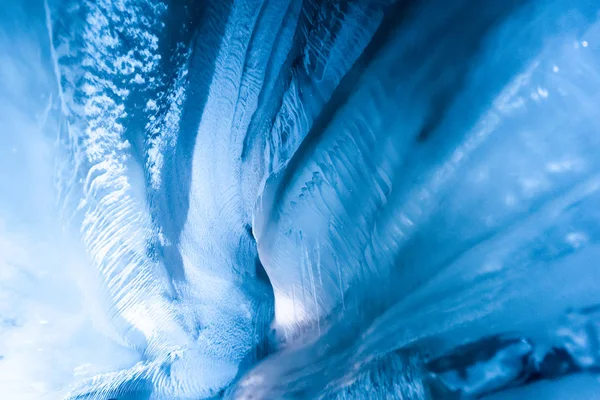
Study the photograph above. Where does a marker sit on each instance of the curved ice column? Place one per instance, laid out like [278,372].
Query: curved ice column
[340,178]
[457,173]
[211,252]
[328,40]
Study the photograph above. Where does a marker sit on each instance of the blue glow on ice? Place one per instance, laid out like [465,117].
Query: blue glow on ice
[299,199]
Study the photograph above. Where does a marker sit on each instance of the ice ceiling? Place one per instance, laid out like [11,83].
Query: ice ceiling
[299,199]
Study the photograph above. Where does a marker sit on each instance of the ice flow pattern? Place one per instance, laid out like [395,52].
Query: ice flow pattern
[299,199]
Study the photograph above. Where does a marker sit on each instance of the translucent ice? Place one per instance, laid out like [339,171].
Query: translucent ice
[299,199]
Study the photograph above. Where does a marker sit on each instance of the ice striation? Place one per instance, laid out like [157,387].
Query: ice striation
[299,199]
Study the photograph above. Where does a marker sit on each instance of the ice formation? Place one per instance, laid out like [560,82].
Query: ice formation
[299,199]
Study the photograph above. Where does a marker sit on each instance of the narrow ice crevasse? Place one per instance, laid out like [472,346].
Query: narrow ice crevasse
[404,191]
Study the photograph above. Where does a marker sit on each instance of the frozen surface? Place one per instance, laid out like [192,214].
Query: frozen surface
[577,387]
[299,199]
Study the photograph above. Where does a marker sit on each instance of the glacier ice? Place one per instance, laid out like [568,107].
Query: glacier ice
[299,199]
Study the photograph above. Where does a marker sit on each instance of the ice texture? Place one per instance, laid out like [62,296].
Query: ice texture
[299,199]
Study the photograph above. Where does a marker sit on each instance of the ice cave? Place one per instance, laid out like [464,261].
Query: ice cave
[299,199]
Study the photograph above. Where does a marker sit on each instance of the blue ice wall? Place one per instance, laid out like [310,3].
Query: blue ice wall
[299,199]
